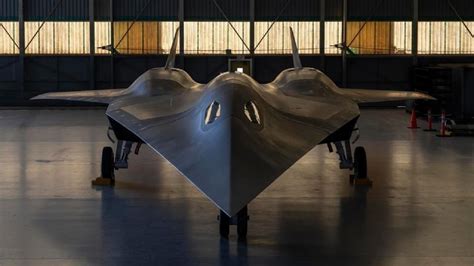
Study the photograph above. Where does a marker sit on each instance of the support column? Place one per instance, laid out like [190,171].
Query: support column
[112,44]
[322,33]
[344,43]
[181,33]
[21,44]
[252,26]
[414,33]
[91,46]
[252,33]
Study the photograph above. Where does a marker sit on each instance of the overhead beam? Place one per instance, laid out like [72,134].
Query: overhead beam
[322,33]
[112,44]
[252,35]
[181,32]
[252,26]
[344,43]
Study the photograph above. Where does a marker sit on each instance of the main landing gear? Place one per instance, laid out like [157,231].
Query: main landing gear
[240,219]
[358,163]
[110,163]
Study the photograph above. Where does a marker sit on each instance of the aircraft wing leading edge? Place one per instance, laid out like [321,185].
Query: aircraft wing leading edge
[374,96]
[92,96]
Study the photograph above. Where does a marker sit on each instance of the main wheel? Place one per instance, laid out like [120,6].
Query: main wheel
[107,165]
[224,224]
[360,163]
[242,221]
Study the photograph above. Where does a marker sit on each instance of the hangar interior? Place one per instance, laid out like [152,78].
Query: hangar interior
[56,45]
[419,210]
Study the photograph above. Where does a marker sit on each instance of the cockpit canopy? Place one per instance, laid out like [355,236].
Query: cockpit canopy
[159,81]
[305,82]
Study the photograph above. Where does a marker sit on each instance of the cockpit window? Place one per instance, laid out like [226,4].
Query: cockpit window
[213,112]
[251,112]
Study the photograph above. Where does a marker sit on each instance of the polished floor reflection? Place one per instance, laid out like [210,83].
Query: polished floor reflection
[419,212]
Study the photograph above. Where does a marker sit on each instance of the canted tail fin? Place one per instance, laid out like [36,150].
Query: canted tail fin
[172,56]
[294,48]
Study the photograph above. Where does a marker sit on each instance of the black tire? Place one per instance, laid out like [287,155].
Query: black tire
[224,224]
[242,221]
[107,165]
[360,163]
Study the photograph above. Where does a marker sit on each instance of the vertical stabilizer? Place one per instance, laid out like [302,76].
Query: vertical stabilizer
[172,55]
[294,48]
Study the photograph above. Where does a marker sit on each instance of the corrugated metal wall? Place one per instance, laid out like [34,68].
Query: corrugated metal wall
[268,10]
[67,10]
[206,10]
[333,10]
[156,10]
[265,10]
[380,10]
[439,10]
[102,10]
[8,10]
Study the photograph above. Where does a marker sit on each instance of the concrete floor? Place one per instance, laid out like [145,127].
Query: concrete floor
[419,212]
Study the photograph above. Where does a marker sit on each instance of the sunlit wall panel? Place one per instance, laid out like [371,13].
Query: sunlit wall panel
[402,38]
[379,37]
[56,37]
[101,36]
[332,37]
[443,37]
[151,37]
[278,41]
[215,37]
[7,46]
[466,39]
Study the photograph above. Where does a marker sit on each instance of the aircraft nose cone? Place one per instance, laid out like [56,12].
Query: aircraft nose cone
[240,170]
[235,146]
[232,144]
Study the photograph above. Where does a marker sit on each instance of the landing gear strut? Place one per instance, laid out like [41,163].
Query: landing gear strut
[240,219]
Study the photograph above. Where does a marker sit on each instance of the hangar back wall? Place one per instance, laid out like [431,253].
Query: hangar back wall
[23,76]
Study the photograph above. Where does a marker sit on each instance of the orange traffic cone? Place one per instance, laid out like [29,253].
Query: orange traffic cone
[413,123]
[442,129]
[430,122]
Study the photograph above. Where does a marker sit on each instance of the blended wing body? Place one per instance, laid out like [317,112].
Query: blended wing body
[233,136]
[258,132]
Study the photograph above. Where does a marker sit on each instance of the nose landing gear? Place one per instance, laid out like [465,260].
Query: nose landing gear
[240,219]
